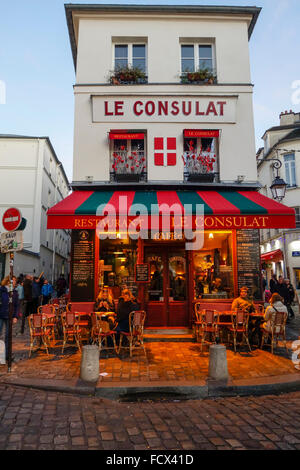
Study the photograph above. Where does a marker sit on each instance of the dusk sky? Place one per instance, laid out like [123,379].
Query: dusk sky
[37,68]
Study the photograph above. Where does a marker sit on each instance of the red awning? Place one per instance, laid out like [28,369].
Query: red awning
[126,135]
[276,255]
[222,209]
[205,133]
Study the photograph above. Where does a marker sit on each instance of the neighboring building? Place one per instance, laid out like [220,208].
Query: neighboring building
[281,248]
[160,136]
[33,179]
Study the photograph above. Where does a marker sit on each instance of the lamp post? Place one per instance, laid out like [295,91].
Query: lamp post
[278,186]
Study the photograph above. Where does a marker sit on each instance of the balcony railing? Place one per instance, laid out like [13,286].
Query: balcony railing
[202,167]
[128,166]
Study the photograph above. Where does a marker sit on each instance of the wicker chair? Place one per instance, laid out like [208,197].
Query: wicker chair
[71,330]
[208,325]
[101,332]
[277,330]
[239,320]
[49,313]
[38,330]
[136,332]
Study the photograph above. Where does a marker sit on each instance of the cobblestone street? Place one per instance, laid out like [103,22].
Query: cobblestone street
[45,420]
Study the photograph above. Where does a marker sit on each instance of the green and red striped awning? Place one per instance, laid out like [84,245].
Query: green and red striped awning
[222,209]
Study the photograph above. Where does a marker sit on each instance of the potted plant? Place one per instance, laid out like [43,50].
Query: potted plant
[127,75]
[199,167]
[128,167]
[200,77]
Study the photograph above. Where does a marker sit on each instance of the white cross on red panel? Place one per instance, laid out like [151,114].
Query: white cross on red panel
[165,151]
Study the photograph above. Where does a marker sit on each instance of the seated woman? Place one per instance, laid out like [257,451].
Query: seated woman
[276,305]
[105,303]
[126,305]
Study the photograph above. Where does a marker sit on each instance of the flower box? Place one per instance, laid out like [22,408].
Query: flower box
[201,178]
[127,178]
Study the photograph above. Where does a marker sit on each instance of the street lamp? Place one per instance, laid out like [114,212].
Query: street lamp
[278,187]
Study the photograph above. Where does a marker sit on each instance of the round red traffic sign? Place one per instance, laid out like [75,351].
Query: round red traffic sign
[12,219]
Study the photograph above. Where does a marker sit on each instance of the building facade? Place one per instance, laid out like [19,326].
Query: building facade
[281,248]
[33,180]
[164,124]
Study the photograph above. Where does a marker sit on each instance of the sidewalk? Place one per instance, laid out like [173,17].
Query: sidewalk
[172,366]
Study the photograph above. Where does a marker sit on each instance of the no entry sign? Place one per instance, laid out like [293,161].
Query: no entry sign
[12,219]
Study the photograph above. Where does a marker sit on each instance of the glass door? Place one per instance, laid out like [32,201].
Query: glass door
[166,294]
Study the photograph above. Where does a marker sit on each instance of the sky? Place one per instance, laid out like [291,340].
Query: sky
[36,67]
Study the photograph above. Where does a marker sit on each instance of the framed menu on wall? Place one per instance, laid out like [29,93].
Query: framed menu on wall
[142,272]
[83,266]
[248,262]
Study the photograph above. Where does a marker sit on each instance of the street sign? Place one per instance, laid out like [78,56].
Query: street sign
[11,241]
[12,219]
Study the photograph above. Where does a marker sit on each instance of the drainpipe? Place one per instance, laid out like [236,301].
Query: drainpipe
[285,255]
[54,233]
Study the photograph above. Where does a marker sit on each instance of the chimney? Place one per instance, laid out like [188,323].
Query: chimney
[287,118]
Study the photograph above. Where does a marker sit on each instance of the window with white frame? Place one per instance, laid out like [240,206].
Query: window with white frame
[297,210]
[290,169]
[130,55]
[197,56]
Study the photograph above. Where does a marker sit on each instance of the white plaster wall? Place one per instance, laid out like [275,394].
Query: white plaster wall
[94,59]
[237,144]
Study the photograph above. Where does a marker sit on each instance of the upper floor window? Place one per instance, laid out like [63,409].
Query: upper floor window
[130,55]
[297,209]
[290,169]
[196,57]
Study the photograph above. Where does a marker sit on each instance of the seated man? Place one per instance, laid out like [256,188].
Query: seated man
[243,302]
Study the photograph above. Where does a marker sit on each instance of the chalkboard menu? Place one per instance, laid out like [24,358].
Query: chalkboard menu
[248,261]
[83,266]
[142,272]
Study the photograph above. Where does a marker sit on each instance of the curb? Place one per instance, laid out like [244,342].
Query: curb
[166,390]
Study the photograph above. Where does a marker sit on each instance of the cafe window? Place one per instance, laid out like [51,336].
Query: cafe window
[213,267]
[201,153]
[116,266]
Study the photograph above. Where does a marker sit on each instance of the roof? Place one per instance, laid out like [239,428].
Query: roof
[279,128]
[162,9]
[293,135]
[16,136]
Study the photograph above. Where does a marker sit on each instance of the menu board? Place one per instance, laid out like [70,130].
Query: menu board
[83,266]
[248,262]
[142,272]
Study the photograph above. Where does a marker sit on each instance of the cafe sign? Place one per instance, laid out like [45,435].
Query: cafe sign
[162,108]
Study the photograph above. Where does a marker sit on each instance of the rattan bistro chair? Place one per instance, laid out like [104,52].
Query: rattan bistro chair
[239,320]
[38,331]
[197,320]
[49,313]
[277,330]
[136,332]
[71,329]
[101,332]
[208,326]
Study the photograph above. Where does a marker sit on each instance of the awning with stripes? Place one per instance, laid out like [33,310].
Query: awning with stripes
[222,209]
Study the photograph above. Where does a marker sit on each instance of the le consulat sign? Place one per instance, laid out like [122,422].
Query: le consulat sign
[161,108]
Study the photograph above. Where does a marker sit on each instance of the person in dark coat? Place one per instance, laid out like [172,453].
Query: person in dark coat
[126,305]
[4,308]
[61,286]
[36,294]
[27,285]
[273,284]
[291,297]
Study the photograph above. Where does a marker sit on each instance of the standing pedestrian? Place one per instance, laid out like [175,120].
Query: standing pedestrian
[290,297]
[47,291]
[27,285]
[36,294]
[61,286]
[273,284]
[20,290]
[4,308]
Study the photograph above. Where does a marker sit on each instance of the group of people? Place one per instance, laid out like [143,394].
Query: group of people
[285,289]
[119,318]
[244,303]
[29,292]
